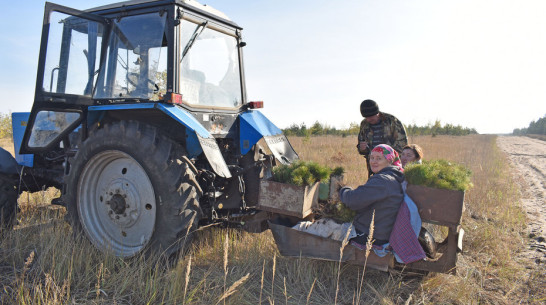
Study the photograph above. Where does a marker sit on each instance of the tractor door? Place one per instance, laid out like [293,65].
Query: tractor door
[71,51]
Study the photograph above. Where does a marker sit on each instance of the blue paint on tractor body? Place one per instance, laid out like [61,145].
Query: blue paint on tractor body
[193,127]
[19,122]
[254,126]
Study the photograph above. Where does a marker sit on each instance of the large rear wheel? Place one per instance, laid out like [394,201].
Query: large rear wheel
[8,202]
[130,191]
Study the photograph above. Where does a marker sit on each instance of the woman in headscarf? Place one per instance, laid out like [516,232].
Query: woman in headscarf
[382,193]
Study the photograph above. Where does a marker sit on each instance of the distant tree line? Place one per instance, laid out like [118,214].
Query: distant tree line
[538,127]
[318,128]
[438,129]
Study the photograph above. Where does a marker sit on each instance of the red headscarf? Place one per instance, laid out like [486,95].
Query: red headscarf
[390,154]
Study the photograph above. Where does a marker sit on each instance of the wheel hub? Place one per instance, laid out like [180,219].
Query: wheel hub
[123,202]
[117,204]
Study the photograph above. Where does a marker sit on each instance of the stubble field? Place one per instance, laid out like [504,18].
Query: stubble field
[41,262]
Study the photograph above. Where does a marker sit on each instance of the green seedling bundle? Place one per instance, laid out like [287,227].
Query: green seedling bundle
[440,174]
[303,173]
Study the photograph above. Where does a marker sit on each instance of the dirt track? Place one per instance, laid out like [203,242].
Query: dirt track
[528,156]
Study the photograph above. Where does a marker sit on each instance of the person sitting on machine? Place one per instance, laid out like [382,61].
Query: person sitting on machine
[381,194]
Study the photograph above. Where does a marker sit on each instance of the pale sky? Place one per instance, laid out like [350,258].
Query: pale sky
[476,63]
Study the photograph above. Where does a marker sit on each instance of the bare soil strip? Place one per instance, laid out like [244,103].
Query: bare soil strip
[528,157]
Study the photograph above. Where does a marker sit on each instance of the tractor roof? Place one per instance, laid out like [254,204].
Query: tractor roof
[191,4]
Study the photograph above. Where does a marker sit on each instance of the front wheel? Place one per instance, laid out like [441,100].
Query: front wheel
[130,191]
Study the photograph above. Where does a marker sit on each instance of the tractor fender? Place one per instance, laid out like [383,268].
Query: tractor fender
[198,139]
[8,165]
[253,126]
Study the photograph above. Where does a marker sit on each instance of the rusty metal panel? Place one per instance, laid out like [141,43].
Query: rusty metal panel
[294,243]
[373,261]
[443,207]
[287,199]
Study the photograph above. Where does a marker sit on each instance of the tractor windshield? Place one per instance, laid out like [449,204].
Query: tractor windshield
[136,63]
[209,67]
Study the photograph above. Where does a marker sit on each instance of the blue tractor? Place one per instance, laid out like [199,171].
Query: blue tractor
[141,119]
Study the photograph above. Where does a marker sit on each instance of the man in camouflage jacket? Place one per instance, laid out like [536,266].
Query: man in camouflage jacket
[379,128]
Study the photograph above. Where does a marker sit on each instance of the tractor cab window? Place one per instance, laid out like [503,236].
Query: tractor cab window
[209,67]
[136,64]
[49,125]
[73,54]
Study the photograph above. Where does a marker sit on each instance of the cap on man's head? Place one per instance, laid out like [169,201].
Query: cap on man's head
[369,108]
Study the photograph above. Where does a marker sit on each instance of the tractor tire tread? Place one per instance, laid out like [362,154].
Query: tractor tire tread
[8,202]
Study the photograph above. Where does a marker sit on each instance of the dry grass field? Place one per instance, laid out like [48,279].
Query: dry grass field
[41,262]
[7,144]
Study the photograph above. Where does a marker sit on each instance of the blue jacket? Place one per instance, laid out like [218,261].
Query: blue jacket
[382,193]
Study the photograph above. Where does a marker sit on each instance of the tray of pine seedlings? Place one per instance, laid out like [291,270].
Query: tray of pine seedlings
[294,189]
[438,188]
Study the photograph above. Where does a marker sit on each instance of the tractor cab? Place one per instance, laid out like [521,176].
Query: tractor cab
[140,51]
[137,52]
